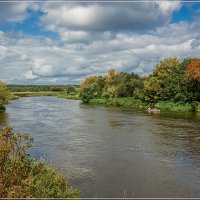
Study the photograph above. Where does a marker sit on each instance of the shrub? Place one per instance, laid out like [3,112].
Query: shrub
[21,177]
[5,95]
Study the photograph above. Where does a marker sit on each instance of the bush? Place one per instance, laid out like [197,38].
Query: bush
[5,95]
[21,177]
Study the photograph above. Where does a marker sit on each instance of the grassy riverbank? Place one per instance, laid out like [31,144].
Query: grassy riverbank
[184,107]
[121,102]
[33,94]
[67,96]
[136,103]
[128,102]
[46,93]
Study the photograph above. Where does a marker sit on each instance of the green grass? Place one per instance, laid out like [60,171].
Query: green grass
[44,93]
[67,96]
[136,103]
[121,102]
[32,94]
[183,107]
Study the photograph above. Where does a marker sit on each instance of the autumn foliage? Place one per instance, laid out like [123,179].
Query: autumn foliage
[172,80]
[193,70]
[22,177]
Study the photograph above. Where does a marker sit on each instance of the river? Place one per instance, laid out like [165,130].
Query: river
[111,152]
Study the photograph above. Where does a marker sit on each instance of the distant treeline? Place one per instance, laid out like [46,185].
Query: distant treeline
[171,80]
[69,89]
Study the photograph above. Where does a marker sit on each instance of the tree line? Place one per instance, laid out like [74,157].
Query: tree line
[69,89]
[171,80]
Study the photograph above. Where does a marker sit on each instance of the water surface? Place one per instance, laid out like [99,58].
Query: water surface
[110,152]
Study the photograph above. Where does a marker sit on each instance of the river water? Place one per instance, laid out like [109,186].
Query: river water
[110,152]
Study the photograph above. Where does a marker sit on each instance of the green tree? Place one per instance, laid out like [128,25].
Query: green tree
[152,89]
[89,92]
[71,90]
[180,88]
[5,95]
[155,83]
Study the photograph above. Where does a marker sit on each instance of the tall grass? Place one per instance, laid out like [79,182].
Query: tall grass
[122,102]
[171,106]
[136,103]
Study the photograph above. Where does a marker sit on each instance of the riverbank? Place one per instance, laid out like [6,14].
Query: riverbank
[127,103]
[67,96]
[33,94]
[136,103]
[45,93]
[119,102]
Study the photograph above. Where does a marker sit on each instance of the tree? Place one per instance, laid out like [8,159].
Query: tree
[4,94]
[164,68]
[193,70]
[193,74]
[71,90]
[89,88]
[152,89]
[110,76]
[155,84]
[178,87]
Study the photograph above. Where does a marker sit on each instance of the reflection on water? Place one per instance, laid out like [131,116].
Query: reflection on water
[109,152]
[3,119]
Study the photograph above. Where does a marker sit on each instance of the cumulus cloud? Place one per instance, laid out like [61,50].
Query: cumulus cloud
[69,63]
[41,68]
[3,51]
[95,37]
[83,20]
[15,11]
[29,75]
[23,57]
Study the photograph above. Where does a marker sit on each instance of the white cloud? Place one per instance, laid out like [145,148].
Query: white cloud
[78,21]
[167,7]
[44,61]
[3,51]
[94,41]
[23,57]
[41,68]
[15,11]
[29,75]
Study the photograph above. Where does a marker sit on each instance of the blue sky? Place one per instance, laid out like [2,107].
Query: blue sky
[62,43]
[31,25]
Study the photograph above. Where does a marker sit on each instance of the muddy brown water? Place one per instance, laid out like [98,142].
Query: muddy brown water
[111,152]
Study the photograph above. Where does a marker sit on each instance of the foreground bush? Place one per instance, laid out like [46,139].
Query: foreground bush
[21,177]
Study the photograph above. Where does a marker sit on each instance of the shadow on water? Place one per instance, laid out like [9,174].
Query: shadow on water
[113,152]
[3,119]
